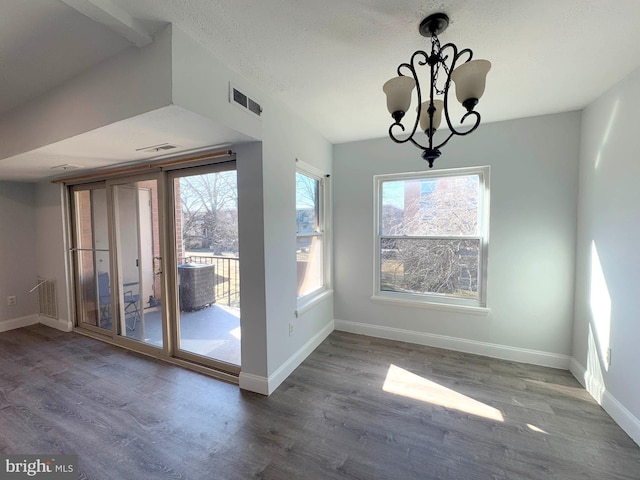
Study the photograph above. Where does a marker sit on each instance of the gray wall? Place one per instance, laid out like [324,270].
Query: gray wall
[17,249]
[607,309]
[51,253]
[534,178]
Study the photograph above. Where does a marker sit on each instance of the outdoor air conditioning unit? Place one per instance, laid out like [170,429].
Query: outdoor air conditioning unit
[197,286]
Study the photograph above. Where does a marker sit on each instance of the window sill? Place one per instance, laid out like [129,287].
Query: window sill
[308,304]
[448,307]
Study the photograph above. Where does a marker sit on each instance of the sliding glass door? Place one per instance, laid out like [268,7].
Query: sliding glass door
[91,256]
[120,228]
[207,272]
[137,259]
[117,262]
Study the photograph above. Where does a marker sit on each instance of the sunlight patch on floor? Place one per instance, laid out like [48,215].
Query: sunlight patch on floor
[402,382]
[234,311]
[533,428]
[202,347]
[235,332]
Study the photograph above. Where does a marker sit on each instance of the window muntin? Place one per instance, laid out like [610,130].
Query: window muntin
[310,231]
[431,237]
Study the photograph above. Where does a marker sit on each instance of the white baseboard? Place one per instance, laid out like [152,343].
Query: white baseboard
[253,383]
[58,324]
[591,384]
[281,374]
[12,323]
[266,386]
[504,352]
[623,417]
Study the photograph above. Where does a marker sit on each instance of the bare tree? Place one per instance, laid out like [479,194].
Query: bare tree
[306,203]
[428,257]
[210,211]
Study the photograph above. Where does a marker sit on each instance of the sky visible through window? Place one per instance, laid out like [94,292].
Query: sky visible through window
[393,194]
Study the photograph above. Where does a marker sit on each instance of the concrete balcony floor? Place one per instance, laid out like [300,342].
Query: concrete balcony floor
[213,332]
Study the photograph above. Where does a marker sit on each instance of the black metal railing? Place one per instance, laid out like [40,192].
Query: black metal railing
[227,272]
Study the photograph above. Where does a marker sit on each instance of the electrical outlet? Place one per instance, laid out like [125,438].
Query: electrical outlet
[290,328]
[11,300]
[608,356]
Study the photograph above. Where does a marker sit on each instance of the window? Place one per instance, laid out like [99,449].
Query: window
[432,232]
[310,246]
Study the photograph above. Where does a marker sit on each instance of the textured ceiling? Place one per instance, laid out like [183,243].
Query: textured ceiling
[328,59]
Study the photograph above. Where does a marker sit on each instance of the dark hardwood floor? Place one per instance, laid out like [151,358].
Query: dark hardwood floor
[357,408]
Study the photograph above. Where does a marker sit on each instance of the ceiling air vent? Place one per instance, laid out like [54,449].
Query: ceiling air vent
[157,148]
[243,101]
[66,166]
[255,107]
[240,98]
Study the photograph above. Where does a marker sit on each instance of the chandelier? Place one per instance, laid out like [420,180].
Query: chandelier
[445,61]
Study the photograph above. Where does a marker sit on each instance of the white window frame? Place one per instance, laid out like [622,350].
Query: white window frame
[305,302]
[442,302]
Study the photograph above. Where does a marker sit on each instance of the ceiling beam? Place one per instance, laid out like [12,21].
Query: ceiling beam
[114,17]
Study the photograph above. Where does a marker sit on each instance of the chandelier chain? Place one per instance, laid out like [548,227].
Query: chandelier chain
[437,50]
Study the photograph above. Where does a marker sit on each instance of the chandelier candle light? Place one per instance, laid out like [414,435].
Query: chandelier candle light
[469,78]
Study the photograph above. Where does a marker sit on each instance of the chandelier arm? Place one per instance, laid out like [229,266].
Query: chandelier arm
[392,136]
[402,129]
[412,70]
[456,57]
[447,84]
[417,144]
[451,134]
[414,57]
[467,132]
[433,75]
[407,66]
[457,54]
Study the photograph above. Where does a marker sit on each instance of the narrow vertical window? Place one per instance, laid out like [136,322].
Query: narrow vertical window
[310,234]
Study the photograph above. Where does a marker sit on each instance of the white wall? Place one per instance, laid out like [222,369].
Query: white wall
[31,246]
[49,247]
[607,308]
[253,319]
[267,250]
[200,83]
[177,70]
[286,137]
[18,254]
[134,82]
[534,178]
